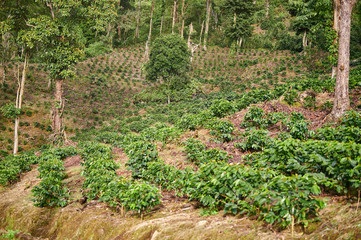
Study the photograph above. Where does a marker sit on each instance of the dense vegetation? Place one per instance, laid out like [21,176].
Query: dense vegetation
[244,105]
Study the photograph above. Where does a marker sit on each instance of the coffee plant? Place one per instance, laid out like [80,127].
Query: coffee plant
[51,191]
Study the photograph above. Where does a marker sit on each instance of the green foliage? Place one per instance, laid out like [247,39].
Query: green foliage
[10,111]
[141,197]
[51,191]
[221,129]
[339,162]
[340,134]
[169,57]
[140,153]
[352,119]
[96,49]
[297,126]
[238,18]
[256,140]
[12,166]
[291,96]
[198,154]
[101,181]
[241,189]
[194,149]
[254,118]
[221,108]
[164,134]
[10,234]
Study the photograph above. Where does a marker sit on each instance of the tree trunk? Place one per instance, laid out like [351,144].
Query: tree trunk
[161,25]
[58,110]
[207,24]
[200,35]
[304,40]
[342,102]
[174,13]
[18,104]
[189,36]
[267,8]
[189,40]
[182,29]
[4,73]
[49,84]
[150,31]
[138,21]
[162,19]
[336,27]
[240,42]
[119,33]
[334,71]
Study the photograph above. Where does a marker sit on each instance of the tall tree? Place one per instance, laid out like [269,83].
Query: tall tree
[238,22]
[342,102]
[138,20]
[336,28]
[150,30]
[182,16]
[13,28]
[174,15]
[62,42]
[209,7]
[169,60]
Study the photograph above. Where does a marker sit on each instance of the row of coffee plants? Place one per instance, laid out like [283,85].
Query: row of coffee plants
[349,129]
[197,152]
[254,140]
[267,194]
[295,123]
[222,130]
[51,191]
[101,182]
[12,166]
[338,162]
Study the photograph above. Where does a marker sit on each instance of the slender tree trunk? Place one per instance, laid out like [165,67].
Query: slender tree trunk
[138,21]
[200,36]
[189,36]
[162,19]
[240,42]
[304,40]
[342,102]
[336,27]
[161,25]
[58,110]
[4,73]
[119,33]
[182,29]
[189,40]
[19,102]
[150,31]
[174,14]
[49,84]
[209,3]
[267,8]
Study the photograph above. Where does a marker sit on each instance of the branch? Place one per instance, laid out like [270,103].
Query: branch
[28,24]
[51,9]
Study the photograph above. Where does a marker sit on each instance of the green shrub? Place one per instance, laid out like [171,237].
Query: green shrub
[96,49]
[221,129]
[256,140]
[140,153]
[221,108]
[291,96]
